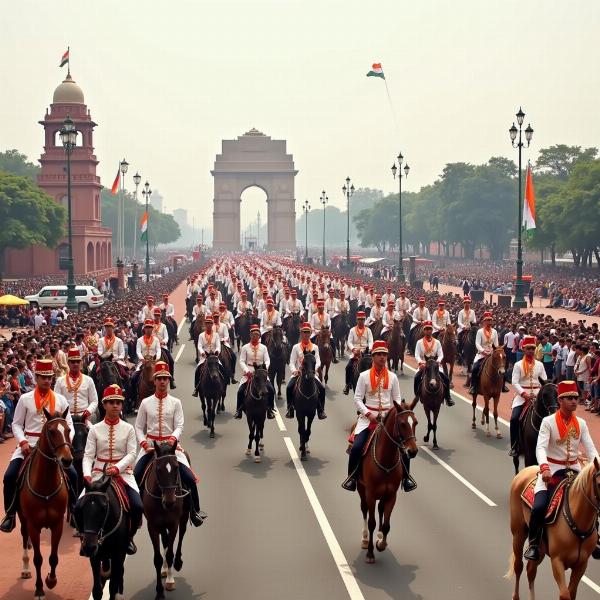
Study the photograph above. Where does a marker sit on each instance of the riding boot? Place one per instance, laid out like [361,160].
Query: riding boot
[349,367]
[408,482]
[271,404]
[196,381]
[447,396]
[240,403]
[536,526]
[474,378]
[333,352]
[289,399]
[514,431]
[354,460]
[11,497]
[504,384]
[596,550]
[321,406]
[196,515]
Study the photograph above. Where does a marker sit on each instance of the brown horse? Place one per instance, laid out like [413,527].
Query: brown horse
[382,473]
[448,341]
[431,394]
[325,354]
[376,328]
[569,541]
[491,379]
[43,496]
[197,329]
[396,346]
[146,383]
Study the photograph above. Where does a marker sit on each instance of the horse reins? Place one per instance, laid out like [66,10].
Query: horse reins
[161,487]
[100,532]
[400,447]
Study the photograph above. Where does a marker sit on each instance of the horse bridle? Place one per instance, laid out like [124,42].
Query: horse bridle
[249,392]
[52,447]
[164,488]
[100,532]
[566,510]
[298,387]
[401,446]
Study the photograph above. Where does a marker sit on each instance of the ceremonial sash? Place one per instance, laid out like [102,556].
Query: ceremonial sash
[47,401]
[571,427]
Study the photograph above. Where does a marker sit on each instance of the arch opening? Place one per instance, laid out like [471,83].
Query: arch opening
[253,218]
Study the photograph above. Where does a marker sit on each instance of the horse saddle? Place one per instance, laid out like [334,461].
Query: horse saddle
[373,429]
[118,486]
[527,408]
[560,486]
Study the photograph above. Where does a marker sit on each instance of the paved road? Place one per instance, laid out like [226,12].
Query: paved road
[263,538]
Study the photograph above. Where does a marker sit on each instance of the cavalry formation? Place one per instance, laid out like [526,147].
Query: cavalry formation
[282,325]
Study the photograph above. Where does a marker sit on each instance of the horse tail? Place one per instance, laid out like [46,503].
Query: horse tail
[511,566]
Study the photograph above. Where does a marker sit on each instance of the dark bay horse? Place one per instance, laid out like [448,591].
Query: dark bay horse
[211,390]
[197,328]
[80,434]
[396,346]
[431,394]
[449,349]
[43,497]
[291,325]
[278,353]
[491,380]
[341,329]
[364,363]
[546,403]
[469,351]
[255,405]
[166,506]
[105,526]
[146,385]
[106,373]
[306,400]
[376,328]
[242,328]
[171,326]
[382,473]
[325,354]
[415,334]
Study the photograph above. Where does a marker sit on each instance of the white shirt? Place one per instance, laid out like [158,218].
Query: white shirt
[141,349]
[419,315]
[331,307]
[509,339]
[484,345]
[436,352]
[268,320]
[378,401]
[317,323]
[223,332]
[251,354]
[81,399]
[199,309]
[440,322]
[466,320]
[403,305]
[375,314]
[115,346]
[168,308]
[242,307]
[206,345]
[388,320]
[525,384]
[361,342]
[297,356]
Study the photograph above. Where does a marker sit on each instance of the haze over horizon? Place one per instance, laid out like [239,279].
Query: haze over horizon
[166,86]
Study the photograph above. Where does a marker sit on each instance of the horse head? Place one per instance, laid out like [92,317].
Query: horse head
[167,473]
[309,362]
[277,337]
[365,362]
[405,428]
[55,436]
[323,338]
[212,367]
[547,400]
[80,434]
[499,360]
[148,368]
[259,381]
[431,374]
[450,334]
[95,510]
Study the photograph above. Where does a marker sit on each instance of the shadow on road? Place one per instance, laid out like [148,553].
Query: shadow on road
[182,591]
[257,470]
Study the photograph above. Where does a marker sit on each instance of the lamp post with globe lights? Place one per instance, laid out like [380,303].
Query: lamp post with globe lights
[348,191]
[323,200]
[147,192]
[398,170]
[306,209]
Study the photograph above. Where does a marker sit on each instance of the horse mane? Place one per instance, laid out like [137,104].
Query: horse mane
[583,477]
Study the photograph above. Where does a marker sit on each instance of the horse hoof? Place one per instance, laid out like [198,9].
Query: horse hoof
[261,446]
[488,434]
[212,434]
[364,544]
[304,457]
[205,423]
[170,586]
[177,564]
[380,545]
[426,438]
[248,452]
[451,386]
[163,573]
[25,574]
[39,596]
[370,560]
[436,447]
[473,425]
[257,459]
[498,436]
[50,582]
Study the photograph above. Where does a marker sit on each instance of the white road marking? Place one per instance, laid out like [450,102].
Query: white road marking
[458,476]
[184,320]
[179,352]
[465,399]
[591,584]
[280,422]
[343,567]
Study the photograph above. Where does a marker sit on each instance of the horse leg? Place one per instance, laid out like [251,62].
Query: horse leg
[55,535]
[531,573]
[364,543]
[517,558]
[25,569]
[203,401]
[498,434]
[211,416]
[428,415]
[170,582]
[577,572]
[115,586]
[474,423]
[250,436]
[158,561]
[385,515]
[451,374]
[434,427]
[302,433]
[371,523]
[98,586]
[178,561]
[38,559]
[257,435]
[485,415]
[558,570]
[326,374]
[309,421]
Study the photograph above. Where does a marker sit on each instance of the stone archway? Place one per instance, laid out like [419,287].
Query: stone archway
[254,159]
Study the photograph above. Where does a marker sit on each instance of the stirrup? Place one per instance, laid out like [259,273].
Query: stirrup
[349,484]
[346,390]
[8,523]
[596,552]
[131,548]
[197,518]
[409,484]
[450,402]
[532,552]
[238,414]
[290,413]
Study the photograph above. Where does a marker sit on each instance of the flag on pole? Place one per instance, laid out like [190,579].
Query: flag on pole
[376,71]
[65,58]
[529,202]
[115,186]
[144,227]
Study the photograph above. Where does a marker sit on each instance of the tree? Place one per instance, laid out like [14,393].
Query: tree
[28,216]
[12,161]
[560,159]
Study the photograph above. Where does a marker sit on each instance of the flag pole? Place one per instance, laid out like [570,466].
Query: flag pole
[69,61]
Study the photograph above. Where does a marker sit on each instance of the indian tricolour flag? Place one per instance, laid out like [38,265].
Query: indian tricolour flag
[65,58]
[144,227]
[376,71]
[529,202]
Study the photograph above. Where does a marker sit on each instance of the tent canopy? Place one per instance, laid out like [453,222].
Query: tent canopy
[10,300]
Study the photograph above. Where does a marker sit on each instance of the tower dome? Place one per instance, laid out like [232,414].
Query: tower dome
[68,92]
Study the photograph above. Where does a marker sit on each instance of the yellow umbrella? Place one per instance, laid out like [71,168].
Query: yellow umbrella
[10,300]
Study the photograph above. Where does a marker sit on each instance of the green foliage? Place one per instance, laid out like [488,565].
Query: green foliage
[28,215]
[12,161]
[560,159]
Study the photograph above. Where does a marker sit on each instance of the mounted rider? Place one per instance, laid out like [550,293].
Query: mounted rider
[209,342]
[360,339]
[167,307]
[526,377]
[320,320]
[77,388]
[243,305]
[268,319]
[293,305]
[91,339]
[485,342]
[557,453]
[376,313]
[389,295]
[376,391]
[441,319]
[296,358]
[254,352]
[28,421]
[162,334]
[403,304]
[147,311]
[388,319]
[110,450]
[226,317]
[428,347]
[109,343]
[147,348]
[160,419]
[466,320]
[224,334]
[197,309]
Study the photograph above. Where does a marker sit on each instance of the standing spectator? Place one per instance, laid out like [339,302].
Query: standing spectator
[570,361]
[530,297]
[511,337]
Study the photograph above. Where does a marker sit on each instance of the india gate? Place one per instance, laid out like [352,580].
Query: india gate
[254,160]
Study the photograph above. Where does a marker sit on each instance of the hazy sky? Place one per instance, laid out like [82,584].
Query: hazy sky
[167,81]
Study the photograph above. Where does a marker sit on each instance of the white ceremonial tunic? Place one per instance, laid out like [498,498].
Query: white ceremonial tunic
[142,349]
[223,332]
[81,397]
[466,320]
[358,340]
[206,345]
[158,420]
[436,352]
[161,332]
[168,308]
[268,319]
[485,344]
[419,315]
[147,312]
[212,306]
[388,320]
[403,305]
[318,322]
[111,446]
[115,346]
[440,321]
[28,422]
[297,356]
[375,314]
[561,454]
[331,307]
[528,384]
[294,307]
[251,354]
[242,307]
[374,401]
[199,309]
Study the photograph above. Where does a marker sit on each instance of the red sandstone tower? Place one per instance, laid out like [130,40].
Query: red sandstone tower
[92,243]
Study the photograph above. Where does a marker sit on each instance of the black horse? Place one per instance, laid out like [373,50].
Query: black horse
[211,388]
[105,527]
[468,350]
[171,326]
[546,403]
[105,374]
[291,324]
[278,353]
[306,400]
[341,329]
[242,327]
[255,405]
[79,440]
[364,363]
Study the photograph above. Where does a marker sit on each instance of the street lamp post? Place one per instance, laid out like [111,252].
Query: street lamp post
[323,199]
[123,166]
[147,192]
[68,136]
[137,178]
[519,301]
[306,209]
[395,169]
[348,191]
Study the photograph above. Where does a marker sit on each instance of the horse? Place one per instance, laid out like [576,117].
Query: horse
[353,310]
[189,305]
[255,405]
[544,404]
[211,389]
[491,380]
[364,363]
[242,327]
[171,326]
[569,541]
[325,353]
[469,351]
[382,473]
[106,373]
[376,328]
[226,356]
[80,434]
[105,526]
[278,353]
[166,506]
[431,394]
[43,497]
[291,324]
[306,400]
[448,342]
[396,346]
[197,328]
[415,334]
[340,332]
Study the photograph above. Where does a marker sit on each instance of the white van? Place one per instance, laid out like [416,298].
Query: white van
[87,297]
